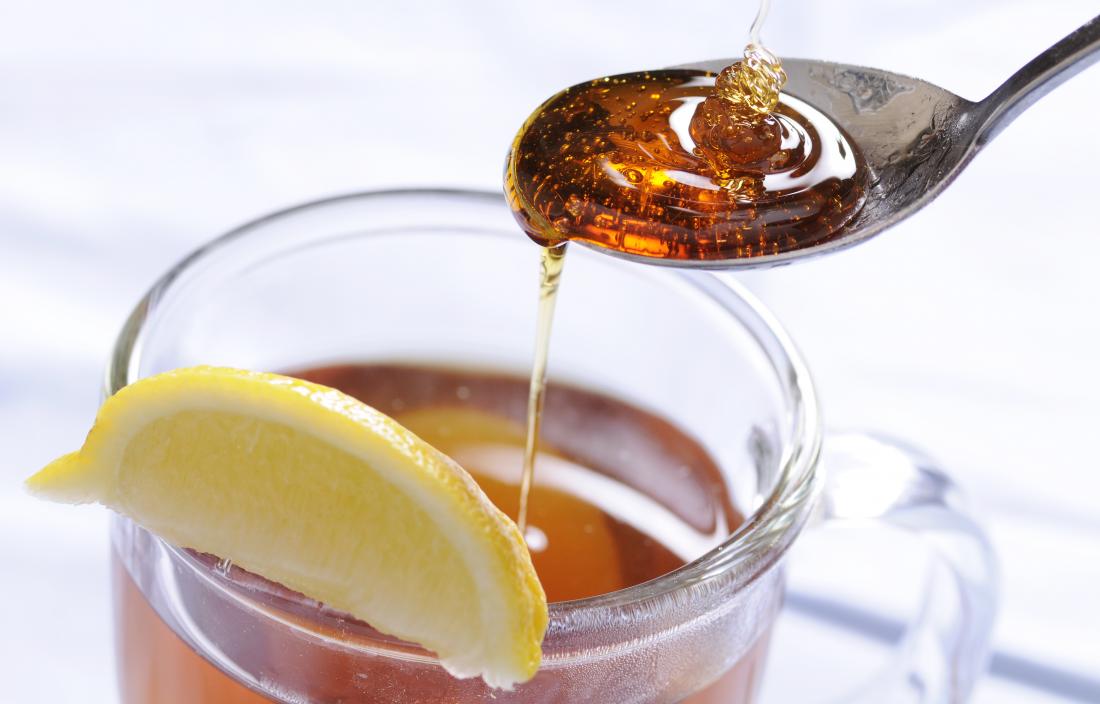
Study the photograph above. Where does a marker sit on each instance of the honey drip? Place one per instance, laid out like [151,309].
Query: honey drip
[553,259]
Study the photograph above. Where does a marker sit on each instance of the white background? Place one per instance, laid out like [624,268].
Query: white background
[131,132]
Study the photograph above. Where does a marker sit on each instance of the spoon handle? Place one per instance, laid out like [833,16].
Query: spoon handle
[1075,52]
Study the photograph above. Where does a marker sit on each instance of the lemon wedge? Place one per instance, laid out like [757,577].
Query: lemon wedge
[308,487]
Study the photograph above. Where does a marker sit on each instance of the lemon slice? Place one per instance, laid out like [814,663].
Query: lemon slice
[308,487]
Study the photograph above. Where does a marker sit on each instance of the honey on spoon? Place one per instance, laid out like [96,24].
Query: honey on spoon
[682,164]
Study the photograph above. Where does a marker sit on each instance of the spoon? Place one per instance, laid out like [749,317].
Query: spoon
[916,137]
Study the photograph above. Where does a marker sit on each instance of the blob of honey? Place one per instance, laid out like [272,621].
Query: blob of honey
[734,128]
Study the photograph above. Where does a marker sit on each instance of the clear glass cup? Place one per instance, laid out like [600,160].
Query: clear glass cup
[446,277]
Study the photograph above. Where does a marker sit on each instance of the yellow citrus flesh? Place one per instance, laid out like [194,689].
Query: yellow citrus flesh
[310,488]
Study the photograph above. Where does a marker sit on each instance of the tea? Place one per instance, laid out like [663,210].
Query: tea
[621,496]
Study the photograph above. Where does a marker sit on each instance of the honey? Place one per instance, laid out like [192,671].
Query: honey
[655,164]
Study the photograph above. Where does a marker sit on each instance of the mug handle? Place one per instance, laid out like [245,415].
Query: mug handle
[944,652]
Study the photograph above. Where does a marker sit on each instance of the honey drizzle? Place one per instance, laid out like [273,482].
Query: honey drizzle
[550,268]
[654,198]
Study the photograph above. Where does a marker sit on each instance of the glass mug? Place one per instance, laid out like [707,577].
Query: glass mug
[447,277]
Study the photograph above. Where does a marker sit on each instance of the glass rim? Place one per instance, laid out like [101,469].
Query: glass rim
[770,528]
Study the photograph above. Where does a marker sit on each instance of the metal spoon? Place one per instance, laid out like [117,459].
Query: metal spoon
[916,137]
